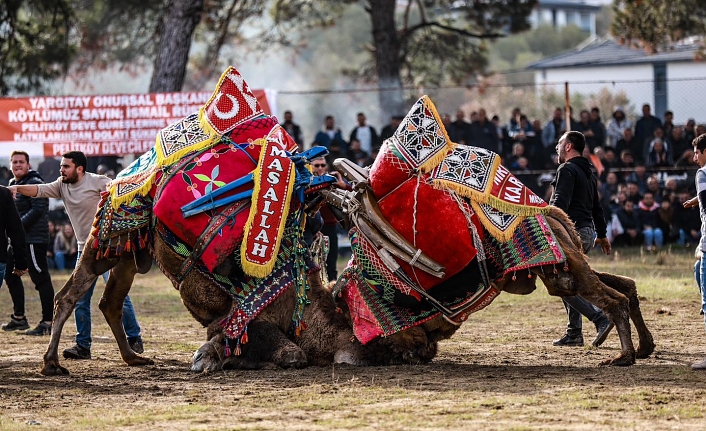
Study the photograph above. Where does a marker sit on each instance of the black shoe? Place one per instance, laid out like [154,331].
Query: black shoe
[41,329]
[568,340]
[15,324]
[603,329]
[77,352]
[136,344]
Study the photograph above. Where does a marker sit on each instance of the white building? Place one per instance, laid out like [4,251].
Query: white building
[560,13]
[671,80]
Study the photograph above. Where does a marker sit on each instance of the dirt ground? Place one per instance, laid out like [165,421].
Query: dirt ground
[499,372]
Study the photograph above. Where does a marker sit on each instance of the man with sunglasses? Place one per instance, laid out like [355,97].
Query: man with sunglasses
[330,228]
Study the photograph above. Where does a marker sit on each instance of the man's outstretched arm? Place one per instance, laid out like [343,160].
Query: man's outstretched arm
[26,190]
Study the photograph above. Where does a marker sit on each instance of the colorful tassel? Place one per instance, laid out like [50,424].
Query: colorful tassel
[227,351]
[128,245]
[237,349]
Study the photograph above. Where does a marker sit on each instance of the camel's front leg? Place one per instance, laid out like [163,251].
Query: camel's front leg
[614,304]
[111,304]
[64,302]
[268,347]
[627,287]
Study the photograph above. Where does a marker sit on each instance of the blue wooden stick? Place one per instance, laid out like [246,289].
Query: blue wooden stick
[217,203]
[214,194]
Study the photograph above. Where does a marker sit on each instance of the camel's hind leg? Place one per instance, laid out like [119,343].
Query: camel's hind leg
[627,287]
[111,304]
[586,283]
[85,274]
[614,304]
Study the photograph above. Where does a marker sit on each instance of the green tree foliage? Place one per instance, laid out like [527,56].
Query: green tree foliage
[657,24]
[110,32]
[516,51]
[35,44]
[422,42]
[604,20]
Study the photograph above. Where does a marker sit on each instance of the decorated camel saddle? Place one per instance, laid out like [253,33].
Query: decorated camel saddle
[222,184]
[433,224]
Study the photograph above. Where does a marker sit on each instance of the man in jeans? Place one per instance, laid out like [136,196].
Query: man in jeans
[80,191]
[576,192]
[700,157]
[33,213]
[11,226]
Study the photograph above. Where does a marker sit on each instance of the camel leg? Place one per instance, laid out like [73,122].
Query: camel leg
[584,282]
[627,287]
[111,304]
[614,304]
[267,347]
[64,302]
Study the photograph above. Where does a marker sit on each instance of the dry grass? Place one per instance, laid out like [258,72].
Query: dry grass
[499,372]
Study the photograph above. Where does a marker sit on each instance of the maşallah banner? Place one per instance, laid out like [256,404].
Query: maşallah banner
[101,125]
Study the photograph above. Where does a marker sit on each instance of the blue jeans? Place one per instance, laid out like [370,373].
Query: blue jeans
[576,305]
[2,272]
[701,282]
[682,238]
[60,260]
[654,234]
[82,314]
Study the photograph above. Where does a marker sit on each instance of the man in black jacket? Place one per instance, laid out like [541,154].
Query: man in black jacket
[33,213]
[293,129]
[11,227]
[576,192]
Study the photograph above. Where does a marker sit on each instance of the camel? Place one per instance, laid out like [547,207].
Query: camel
[329,337]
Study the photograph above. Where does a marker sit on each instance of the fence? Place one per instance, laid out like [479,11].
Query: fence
[498,97]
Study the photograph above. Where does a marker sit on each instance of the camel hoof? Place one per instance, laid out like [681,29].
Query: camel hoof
[139,361]
[620,361]
[346,356]
[644,352]
[201,362]
[293,359]
[54,370]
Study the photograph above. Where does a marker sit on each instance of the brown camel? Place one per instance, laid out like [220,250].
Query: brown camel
[329,337]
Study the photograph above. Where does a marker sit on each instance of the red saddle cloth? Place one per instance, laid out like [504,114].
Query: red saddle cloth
[200,173]
[428,218]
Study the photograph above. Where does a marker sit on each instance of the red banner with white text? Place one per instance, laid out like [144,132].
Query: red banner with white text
[113,124]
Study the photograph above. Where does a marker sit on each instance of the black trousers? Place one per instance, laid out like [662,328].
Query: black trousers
[39,273]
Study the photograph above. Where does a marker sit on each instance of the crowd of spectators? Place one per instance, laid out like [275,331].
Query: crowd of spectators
[646,169]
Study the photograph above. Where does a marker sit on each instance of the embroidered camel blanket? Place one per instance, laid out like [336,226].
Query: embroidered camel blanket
[456,204]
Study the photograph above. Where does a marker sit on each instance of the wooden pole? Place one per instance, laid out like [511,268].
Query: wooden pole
[567,107]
